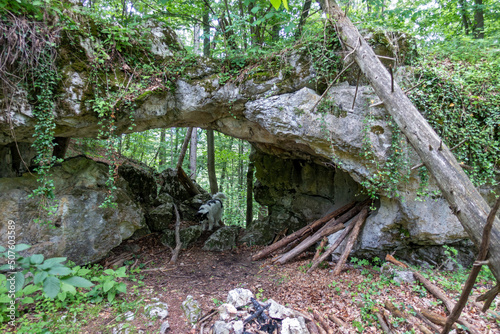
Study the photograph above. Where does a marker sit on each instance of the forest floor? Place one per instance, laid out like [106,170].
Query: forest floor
[208,276]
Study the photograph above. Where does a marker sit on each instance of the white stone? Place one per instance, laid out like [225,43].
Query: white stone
[294,326]
[239,297]
[158,309]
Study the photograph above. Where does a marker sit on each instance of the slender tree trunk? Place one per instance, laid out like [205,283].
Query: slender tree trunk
[162,154]
[196,39]
[249,214]
[244,27]
[183,151]
[303,18]
[240,164]
[223,174]
[192,153]
[465,201]
[206,32]
[175,147]
[478,27]
[212,177]
[465,18]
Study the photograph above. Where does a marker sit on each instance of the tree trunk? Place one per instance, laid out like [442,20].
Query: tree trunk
[212,177]
[303,18]
[465,201]
[249,215]
[196,39]
[185,144]
[206,32]
[192,153]
[465,17]
[478,27]
[162,154]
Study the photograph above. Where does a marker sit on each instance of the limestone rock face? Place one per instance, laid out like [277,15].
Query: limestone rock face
[80,230]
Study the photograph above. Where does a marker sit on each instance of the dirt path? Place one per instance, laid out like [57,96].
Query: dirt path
[208,276]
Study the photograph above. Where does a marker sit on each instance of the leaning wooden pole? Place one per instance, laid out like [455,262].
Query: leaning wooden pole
[465,201]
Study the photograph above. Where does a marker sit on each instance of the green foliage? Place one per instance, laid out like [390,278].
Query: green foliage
[108,285]
[49,276]
[392,171]
[464,111]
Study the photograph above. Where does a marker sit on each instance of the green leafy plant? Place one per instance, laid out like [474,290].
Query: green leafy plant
[108,285]
[35,274]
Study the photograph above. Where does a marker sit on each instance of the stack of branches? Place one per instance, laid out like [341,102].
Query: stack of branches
[299,241]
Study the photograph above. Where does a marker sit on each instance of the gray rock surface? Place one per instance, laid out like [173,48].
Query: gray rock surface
[157,310]
[274,113]
[192,309]
[239,297]
[222,239]
[294,326]
[221,327]
[80,230]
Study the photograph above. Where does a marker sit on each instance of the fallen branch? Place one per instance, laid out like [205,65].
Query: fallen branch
[322,322]
[178,243]
[336,320]
[329,228]
[391,259]
[410,319]
[312,327]
[320,248]
[314,226]
[438,293]
[383,323]
[488,297]
[361,218]
[469,284]
[331,249]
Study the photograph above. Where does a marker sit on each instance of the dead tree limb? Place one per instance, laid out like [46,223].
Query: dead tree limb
[383,323]
[466,202]
[178,243]
[336,320]
[488,297]
[329,228]
[476,268]
[312,227]
[323,323]
[352,238]
[410,319]
[331,249]
[438,293]
[321,246]
[181,174]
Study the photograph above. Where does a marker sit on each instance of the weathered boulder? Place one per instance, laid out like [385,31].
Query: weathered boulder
[80,229]
[192,309]
[223,239]
[187,235]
